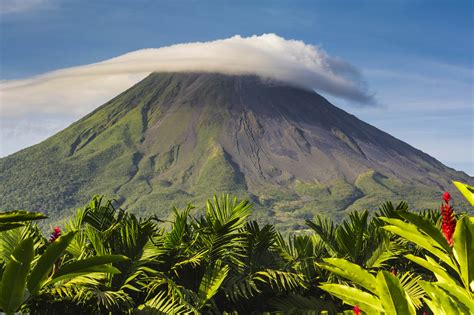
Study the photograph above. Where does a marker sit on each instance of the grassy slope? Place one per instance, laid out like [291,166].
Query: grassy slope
[105,153]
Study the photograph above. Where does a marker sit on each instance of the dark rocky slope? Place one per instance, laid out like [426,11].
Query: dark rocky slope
[180,137]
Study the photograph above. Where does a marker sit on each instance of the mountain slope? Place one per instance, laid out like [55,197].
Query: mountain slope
[180,137]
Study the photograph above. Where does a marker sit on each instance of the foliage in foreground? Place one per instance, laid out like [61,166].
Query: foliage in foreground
[110,261]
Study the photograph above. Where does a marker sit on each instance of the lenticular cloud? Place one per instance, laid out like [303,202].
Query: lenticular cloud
[77,90]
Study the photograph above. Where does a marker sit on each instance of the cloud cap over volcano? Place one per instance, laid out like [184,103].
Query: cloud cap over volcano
[77,90]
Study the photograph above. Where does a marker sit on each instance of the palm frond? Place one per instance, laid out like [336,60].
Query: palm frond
[221,230]
[385,251]
[112,300]
[162,305]
[281,281]
[238,288]
[89,290]
[326,230]
[193,261]
[411,284]
[259,244]
[388,210]
[179,228]
[10,239]
[350,235]
[212,280]
[175,292]
[101,216]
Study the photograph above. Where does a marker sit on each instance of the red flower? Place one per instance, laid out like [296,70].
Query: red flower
[393,271]
[448,224]
[446,197]
[55,235]
[357,310]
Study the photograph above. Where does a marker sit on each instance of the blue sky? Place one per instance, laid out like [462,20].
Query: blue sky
[416,56]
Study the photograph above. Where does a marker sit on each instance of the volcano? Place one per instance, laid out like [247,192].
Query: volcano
[175,138]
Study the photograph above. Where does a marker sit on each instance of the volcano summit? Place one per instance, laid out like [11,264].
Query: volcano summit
[180,137]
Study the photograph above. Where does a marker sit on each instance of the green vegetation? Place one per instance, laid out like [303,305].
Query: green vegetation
[175,138]
[466,190]
[301,246]
[110,261]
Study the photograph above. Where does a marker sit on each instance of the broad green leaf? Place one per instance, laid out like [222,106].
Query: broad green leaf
[462,295]
[411,233]
[432,306]
[392,295]
[14,277]
[47,260]
[421,241]
[366,301]
[428,228]
[88,263]
[351,271]
[440,273]
[466,190]
[96,264]
[9,226]
[464,249]
[20,216]
[442,302]
[86,271]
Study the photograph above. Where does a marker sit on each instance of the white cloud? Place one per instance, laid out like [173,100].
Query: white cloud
[78,90]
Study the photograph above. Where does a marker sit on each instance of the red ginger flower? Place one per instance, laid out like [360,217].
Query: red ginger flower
[357,310]
[448,221]
[446,197]
[55,235]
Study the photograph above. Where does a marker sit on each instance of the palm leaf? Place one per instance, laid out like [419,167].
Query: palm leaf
[443,302]
[385,251]
[411,285]
[47,260]
[9,226]
[366,301]
[162,305]
[392,295]
[440,273]
[464,249]
[212,280]
[412,233]
[20,216]
[12,288]
[351,271]
[89,265]
[466,190]
[241,288]
[280,280]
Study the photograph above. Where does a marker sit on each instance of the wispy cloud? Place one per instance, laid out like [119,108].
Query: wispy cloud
[78,90]
[17,6]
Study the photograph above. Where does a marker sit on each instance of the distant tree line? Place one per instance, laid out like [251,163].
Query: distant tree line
[108,261]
